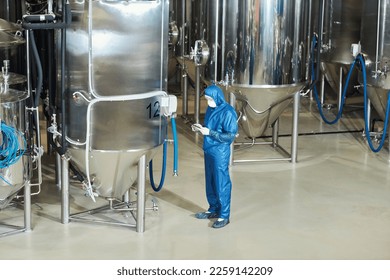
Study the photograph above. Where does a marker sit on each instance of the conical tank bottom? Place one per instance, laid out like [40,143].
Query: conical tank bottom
[378,98]
[112,173]
[260,106]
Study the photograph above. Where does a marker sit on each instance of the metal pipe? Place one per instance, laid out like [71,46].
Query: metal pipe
[141,195]
[340,87]
[377,38]
[322,89]
[27,206]
[294,135]
[65,209]
[216,42]
[232,101]
[185,91]
[197,95]
[58,170]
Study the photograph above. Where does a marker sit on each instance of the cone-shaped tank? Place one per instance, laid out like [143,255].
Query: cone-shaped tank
[256,47]
[116,57]
[340,29]
[375,41]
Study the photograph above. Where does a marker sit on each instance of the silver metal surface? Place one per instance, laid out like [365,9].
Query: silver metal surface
[340,28]
[255,46]
[375,41]
[13,114]
[116,51]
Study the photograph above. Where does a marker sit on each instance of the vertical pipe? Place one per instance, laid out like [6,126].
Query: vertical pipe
[232,102]
[141,195]
[197,95]
[340,87]
[27,206]
[377,37]
[58,170]
[322,88]
[184,90]
[216,44]
[294,135]
[65,209]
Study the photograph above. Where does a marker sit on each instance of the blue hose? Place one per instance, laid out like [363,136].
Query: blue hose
[10,151]
[175,147]
[340,112]
[375,150]
[175,160]
[157,189]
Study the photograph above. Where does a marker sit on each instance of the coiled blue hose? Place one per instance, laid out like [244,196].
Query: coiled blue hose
[10,151]
[340,112]
[175,160]
[359,58]
[366,121]
[164,164]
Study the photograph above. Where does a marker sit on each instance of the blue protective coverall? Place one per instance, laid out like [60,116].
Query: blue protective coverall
[222,122]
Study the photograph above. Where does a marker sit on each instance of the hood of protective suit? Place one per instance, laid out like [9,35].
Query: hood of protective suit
[215,93]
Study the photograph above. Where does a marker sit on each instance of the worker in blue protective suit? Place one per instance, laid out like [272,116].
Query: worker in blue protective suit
[219,130]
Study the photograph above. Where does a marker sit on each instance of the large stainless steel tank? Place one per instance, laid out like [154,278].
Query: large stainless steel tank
[259,48]
[341,28]
[12,102]
[12,113]
[116,57]
[375,41]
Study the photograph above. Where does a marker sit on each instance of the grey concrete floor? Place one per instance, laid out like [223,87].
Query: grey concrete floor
[334,203]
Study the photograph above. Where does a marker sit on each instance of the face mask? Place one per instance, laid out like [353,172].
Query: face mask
[211,102]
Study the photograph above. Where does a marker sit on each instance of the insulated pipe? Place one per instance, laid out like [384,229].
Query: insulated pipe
[141,195]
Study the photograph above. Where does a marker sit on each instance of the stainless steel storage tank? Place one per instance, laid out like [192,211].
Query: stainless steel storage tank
[375,43]
[341,28]
[258,49]
[116,72]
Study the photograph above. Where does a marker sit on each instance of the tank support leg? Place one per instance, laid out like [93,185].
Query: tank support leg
[294,135]
[27,206]
[340,88]
[64,190]
[141,194]
[184,86]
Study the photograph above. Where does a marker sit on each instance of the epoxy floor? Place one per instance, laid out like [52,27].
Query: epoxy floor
[334,203]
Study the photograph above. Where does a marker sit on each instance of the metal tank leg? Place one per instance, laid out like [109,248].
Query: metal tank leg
[141,195]
[27,206]
[340,88]
[184,86]
[322,89]
[58,170]
[197,95]
[65,209]
[294,135]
